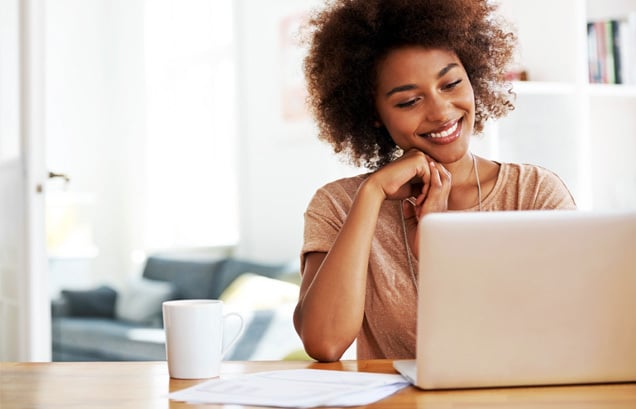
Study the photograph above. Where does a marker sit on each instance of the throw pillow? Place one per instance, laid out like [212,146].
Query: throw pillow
[253,291]
[97,302]
[140,302]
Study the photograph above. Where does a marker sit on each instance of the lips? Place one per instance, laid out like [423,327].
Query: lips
[445,135]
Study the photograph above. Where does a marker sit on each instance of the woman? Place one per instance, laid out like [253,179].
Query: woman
[400,86]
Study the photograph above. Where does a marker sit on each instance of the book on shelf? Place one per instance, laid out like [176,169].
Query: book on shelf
[611,46]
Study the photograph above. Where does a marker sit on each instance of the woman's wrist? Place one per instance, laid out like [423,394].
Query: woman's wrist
[371,191]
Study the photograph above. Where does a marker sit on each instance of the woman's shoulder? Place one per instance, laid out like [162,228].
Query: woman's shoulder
[346,185]
[534,186]
[340,191]
[528,173]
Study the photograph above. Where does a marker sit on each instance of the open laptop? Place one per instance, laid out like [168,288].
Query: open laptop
[525,298]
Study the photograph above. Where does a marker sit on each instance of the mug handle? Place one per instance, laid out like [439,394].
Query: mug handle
[238,333]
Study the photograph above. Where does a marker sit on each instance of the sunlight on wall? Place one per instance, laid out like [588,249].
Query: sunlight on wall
[191,170]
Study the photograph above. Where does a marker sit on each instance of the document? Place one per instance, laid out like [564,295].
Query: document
[298,388]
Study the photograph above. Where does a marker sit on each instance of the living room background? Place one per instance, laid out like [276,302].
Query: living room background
[159,114]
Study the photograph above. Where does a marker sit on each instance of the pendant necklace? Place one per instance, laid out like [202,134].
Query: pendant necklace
[406,239]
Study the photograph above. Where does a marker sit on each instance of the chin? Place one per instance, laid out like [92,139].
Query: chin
[448,156]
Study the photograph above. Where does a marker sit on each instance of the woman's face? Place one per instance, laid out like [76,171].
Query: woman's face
[425,100]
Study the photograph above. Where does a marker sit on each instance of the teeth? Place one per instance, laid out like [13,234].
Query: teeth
[445,133]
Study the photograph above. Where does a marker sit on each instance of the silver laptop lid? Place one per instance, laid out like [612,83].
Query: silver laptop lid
[526,298]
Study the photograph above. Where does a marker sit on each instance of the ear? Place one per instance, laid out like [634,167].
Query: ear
[377,124]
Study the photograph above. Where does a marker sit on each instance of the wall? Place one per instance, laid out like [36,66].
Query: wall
[282,162]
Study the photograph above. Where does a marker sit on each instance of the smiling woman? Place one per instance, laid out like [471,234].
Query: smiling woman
[401,87]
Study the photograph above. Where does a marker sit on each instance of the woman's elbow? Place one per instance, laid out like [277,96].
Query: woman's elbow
[324,351]
[320,344]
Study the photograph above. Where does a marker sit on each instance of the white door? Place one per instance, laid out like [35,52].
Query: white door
[24,300]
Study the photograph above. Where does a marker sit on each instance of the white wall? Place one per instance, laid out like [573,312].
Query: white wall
[282,162]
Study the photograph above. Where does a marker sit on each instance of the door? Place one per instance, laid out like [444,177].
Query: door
[24,300]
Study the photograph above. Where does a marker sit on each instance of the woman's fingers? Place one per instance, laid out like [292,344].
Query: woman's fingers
[433,197]
[436,199]
[403,178]
[436,179]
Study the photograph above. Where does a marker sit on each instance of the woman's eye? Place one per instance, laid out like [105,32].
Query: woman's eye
[451,85]
[407,104]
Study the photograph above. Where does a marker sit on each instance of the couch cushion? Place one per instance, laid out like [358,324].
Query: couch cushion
[140,302]
[192,279]
[256,292]
[100,339]
[97,302]
[232,268]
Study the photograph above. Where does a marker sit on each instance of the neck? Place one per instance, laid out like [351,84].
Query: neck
[465,185]
[462,171]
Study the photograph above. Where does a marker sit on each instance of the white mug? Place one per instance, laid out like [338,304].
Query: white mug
[194,337]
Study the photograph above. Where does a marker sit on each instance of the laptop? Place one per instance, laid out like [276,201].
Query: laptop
[525,298]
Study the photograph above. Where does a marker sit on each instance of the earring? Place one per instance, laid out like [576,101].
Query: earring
[397,153]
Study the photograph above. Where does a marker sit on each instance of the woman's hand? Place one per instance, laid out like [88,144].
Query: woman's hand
[435,198]
[415,175]
[406,177]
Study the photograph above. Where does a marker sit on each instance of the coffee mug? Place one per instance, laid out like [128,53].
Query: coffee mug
[194,337]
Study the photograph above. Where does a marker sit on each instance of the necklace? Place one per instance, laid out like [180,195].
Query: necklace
[477,179]
[406,238]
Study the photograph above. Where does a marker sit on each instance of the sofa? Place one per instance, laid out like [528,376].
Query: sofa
[125,324]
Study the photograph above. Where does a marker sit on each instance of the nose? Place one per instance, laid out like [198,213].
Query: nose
[436,108]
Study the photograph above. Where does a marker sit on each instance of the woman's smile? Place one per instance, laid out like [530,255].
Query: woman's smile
[445,135]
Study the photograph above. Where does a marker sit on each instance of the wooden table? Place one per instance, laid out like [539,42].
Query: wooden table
[140,385]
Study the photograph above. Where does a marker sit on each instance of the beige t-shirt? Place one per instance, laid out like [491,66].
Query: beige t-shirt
[388,327]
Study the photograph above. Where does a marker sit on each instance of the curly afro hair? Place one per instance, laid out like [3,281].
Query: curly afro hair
[348,38]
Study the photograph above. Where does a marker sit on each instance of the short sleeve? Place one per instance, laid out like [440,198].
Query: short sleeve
[528,187]
[552,193]
[326,214]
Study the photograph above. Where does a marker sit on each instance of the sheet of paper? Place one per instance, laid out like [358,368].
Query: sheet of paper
[302,388]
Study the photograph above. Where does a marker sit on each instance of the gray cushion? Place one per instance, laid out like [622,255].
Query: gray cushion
[206,278]
[97,302]
[192,279]
[141,301]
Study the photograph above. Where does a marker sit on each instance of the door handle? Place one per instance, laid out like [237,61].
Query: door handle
[53,175]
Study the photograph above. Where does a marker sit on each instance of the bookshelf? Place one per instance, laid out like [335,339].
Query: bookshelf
[585,132]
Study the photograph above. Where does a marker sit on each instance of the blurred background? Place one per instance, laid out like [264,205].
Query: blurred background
[172,125]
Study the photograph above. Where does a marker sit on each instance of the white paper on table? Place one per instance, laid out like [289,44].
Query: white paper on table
[302,388]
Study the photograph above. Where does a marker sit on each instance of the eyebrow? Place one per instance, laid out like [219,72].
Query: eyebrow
[409,87]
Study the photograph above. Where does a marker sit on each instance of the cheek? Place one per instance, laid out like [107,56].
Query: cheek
[468,105]
[402,124]
[468,100]
[389,118]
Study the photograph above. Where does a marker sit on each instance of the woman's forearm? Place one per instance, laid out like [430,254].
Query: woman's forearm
[329,314]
